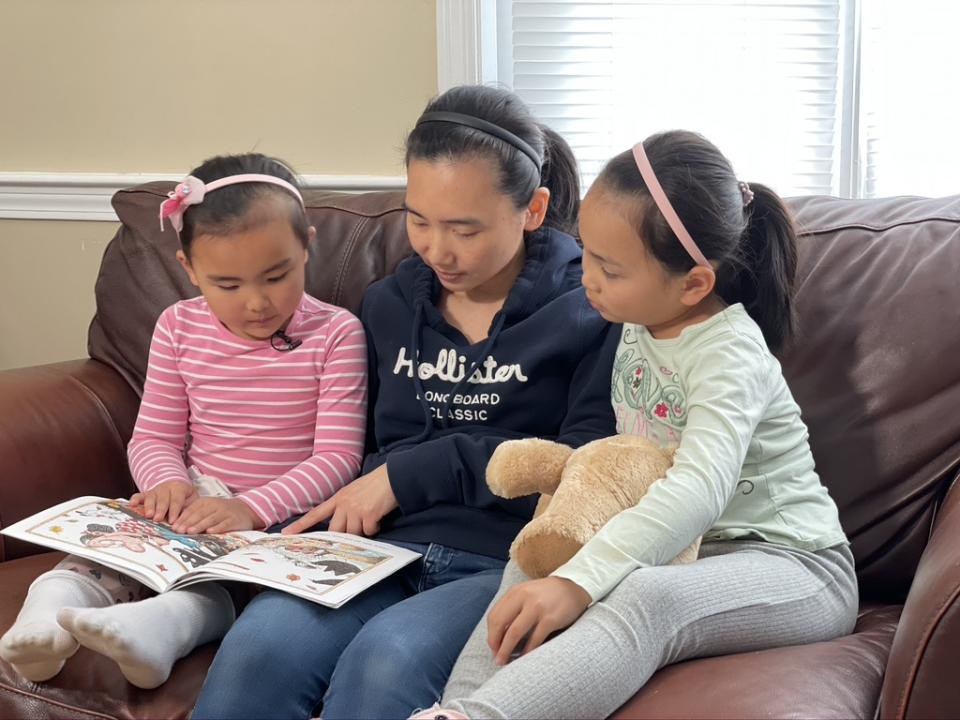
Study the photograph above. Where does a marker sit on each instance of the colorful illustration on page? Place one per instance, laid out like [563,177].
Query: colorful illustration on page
[323,562]
[117,530]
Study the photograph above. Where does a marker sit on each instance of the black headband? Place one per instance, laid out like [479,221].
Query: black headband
[483,126]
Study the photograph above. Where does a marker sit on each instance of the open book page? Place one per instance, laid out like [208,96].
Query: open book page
[324,567]
[108,532]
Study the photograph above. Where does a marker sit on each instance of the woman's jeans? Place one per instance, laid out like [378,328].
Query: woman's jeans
[384,654]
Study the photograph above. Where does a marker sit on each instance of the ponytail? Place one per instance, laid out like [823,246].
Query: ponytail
[561,177]
[750,240]
[768,266]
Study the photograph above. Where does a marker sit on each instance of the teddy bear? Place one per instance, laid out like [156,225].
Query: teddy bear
[580,490]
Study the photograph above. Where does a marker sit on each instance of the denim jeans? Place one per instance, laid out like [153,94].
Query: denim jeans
[384,654]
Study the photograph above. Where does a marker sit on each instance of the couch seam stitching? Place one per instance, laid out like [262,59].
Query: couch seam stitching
[325,206]
[344,260]
[806,230]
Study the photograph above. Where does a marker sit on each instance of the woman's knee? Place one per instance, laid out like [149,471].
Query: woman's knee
[386,671]
[269,610]
[391,651]
[384,654]
[271,625]
[269,664]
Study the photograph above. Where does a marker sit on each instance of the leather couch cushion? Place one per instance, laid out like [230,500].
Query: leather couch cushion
[875,367]
[90,413]
[836,679]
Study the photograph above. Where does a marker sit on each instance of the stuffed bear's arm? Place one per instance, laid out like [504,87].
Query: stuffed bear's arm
[525,467]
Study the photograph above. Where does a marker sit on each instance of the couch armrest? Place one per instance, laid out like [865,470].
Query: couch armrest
[921,680]
[63,433]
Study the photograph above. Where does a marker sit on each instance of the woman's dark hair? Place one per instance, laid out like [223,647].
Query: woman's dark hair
[225,210]
[518,174]
[752,245]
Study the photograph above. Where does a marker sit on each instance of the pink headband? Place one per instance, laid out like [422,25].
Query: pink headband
[663,203]
[192,191]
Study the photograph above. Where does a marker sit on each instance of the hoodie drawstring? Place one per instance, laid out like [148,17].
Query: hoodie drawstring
[487,346]
[417,383]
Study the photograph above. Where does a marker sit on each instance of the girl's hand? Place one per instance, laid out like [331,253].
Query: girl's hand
[165,501]
[217,515]
[533,610]
[356,508]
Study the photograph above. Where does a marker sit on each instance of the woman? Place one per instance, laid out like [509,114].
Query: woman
[484,335]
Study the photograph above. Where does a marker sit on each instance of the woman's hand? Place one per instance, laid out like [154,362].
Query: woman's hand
[533,611]
[164,502]
[356,508]
[217,515]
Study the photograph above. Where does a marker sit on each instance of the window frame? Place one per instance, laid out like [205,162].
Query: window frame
[469,52]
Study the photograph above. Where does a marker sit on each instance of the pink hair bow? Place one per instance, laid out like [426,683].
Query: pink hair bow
[189,192]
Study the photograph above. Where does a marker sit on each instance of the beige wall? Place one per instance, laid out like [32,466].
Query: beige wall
[47,273]
[156,86]
[115,86]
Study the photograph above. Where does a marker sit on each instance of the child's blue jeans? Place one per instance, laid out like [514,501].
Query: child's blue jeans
[382,655]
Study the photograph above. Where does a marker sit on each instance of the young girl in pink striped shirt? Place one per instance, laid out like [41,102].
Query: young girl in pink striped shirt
[254,383]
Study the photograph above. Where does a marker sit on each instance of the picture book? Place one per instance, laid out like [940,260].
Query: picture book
[328,568]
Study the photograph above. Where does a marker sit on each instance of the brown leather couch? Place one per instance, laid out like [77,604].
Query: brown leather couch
[875,367]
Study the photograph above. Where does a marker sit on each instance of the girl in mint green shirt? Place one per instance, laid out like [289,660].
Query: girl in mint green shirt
[699,268]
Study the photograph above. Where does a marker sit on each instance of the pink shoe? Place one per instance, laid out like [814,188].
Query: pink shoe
[438,713]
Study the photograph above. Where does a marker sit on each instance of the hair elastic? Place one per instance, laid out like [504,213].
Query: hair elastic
[666,209]
[192,191]
[487,127]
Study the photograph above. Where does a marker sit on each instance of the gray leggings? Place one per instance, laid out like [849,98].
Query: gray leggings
[738,596]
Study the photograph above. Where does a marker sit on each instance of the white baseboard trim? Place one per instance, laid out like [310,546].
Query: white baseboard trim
[86,196]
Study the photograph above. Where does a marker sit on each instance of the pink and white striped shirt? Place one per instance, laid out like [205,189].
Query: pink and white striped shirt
[283,430]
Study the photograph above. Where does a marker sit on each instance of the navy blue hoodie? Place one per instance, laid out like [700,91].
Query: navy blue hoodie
[440,405]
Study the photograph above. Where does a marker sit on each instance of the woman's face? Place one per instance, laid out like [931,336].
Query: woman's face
[464,227]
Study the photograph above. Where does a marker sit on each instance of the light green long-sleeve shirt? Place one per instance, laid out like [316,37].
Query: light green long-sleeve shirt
[743,467]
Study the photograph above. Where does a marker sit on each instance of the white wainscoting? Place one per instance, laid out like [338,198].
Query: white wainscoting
[86,196]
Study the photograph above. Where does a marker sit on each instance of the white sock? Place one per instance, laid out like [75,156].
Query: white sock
[36,645]
[146,638]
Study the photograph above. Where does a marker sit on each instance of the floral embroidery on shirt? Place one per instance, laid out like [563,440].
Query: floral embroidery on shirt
[659,397]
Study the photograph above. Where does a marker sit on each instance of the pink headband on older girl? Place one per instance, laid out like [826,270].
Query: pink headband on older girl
[192,191]
[666,209]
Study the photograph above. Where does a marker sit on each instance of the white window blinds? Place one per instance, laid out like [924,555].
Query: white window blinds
[856,98]
[760,79]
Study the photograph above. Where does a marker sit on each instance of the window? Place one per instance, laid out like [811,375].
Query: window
[856,98]
[910,98]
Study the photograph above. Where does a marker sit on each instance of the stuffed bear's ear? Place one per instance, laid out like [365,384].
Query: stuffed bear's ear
[525,467]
